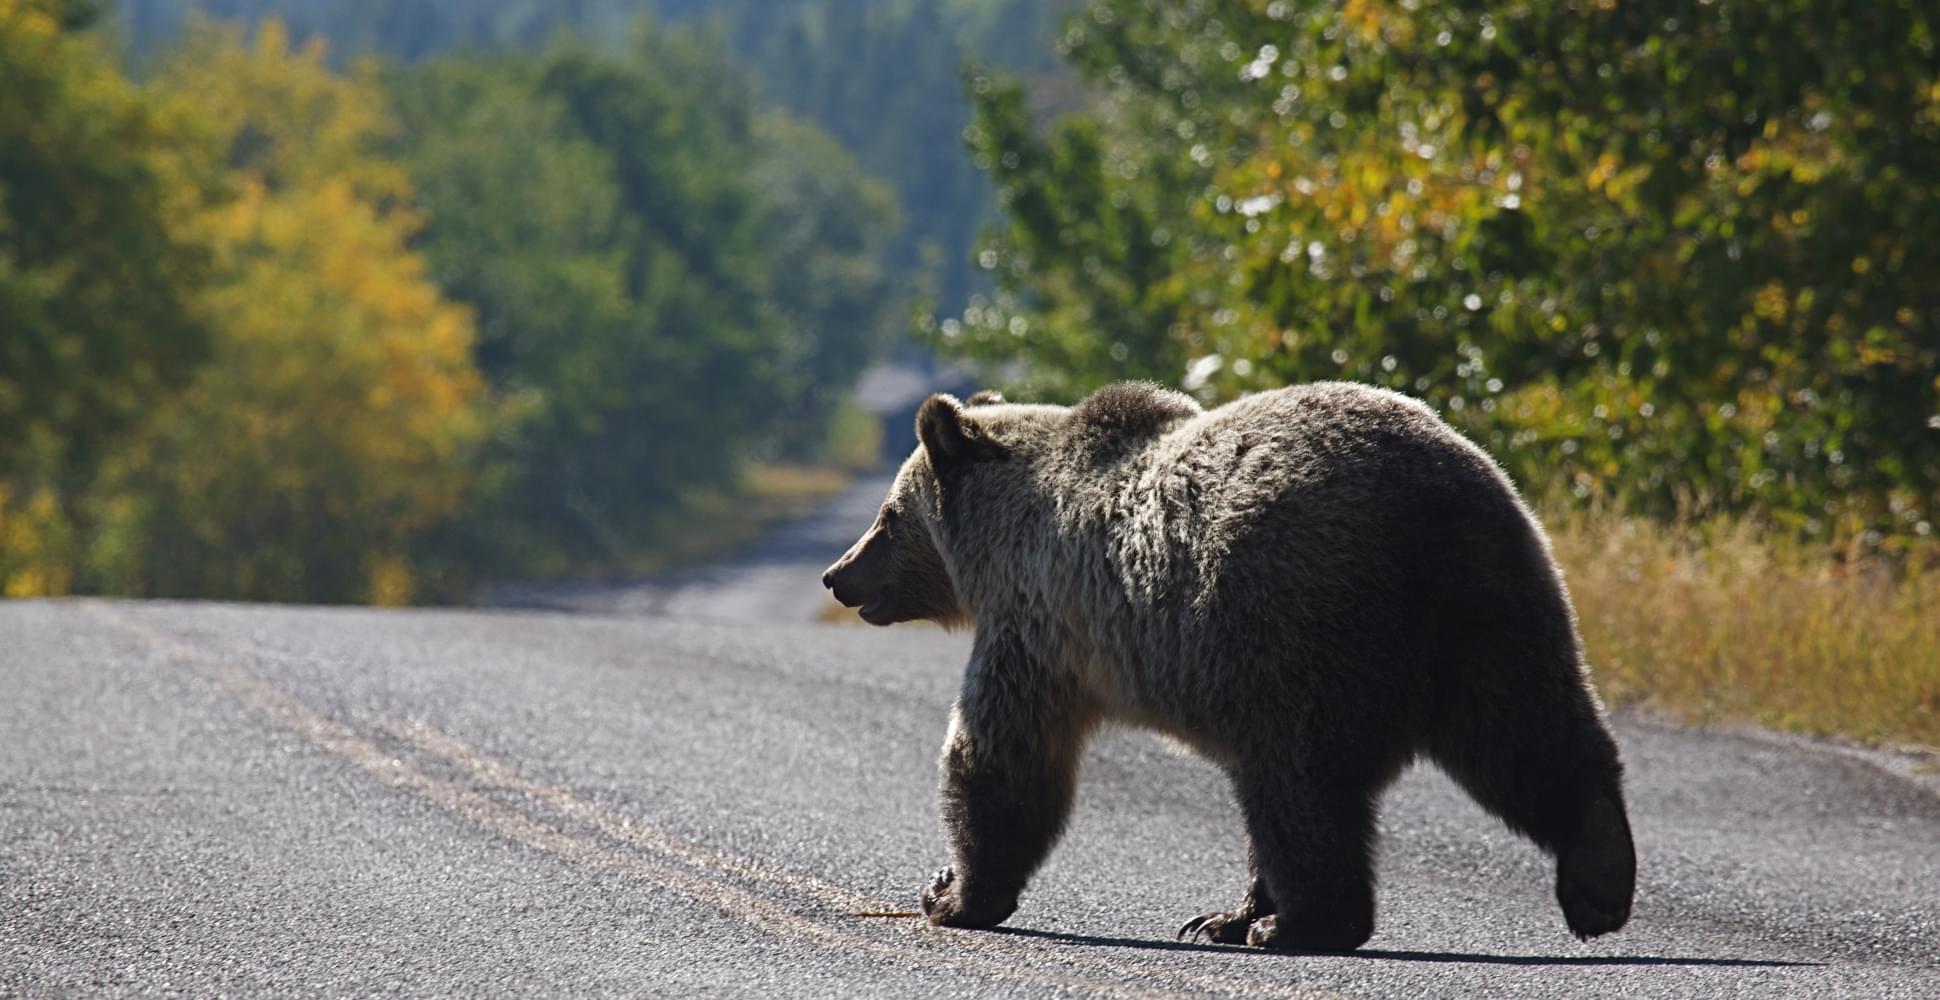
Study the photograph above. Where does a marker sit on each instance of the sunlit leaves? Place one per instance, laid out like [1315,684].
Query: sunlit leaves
[1675,258]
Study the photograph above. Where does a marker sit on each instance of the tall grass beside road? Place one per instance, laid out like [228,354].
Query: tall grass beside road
[1719,621]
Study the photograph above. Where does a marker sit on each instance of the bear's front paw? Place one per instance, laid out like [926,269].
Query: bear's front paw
[1217,928]
[947,905]
[938,891]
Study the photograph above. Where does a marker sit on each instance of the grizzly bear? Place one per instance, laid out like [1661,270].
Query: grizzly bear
[1312,587]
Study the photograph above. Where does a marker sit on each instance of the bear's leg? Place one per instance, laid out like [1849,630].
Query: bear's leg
[1230,927]
[1008,775]
[1314,841]
[1558,782]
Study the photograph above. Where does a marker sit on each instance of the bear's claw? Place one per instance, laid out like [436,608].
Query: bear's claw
[1216,928]
[939,886]
[949,902]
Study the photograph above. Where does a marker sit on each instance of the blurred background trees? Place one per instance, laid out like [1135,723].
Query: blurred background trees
[285,323]
[612,257]
[99,287]
[336,423]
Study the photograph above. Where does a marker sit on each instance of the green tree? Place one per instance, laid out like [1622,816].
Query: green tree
[672,283]
[97,280]
[825,231]
[1672,252]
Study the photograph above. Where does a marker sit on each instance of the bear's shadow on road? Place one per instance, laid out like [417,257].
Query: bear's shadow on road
[1378,954]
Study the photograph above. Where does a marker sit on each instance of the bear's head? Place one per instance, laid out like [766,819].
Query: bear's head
[975,509]
[897,570]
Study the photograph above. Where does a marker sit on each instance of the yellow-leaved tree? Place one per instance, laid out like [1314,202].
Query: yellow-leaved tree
[327,447]
[98,285]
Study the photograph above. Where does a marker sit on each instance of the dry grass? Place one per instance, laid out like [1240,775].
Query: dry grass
[1718,622]
[794,486]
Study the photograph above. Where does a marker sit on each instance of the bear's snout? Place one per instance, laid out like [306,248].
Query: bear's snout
[844,587]
[858,578]
[841,580]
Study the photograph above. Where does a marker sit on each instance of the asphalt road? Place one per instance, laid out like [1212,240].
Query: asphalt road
[719,798]
[251,800]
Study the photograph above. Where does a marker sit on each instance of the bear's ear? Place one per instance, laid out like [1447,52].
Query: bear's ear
[949,439]
[984,397]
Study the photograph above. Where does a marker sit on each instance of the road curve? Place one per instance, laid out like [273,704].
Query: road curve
[256,800]
[773,580]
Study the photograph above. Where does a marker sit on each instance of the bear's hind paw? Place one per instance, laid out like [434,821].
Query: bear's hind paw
[1590,914]
[1275,932]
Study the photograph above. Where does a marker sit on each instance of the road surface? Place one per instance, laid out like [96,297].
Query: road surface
[263,800]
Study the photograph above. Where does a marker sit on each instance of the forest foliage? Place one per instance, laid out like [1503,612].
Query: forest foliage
[339,418]
[645,277]
[100,287]
[1667,256]
[279,326]
[882,77]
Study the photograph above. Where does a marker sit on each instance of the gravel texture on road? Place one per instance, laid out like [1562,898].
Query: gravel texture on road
[269,800]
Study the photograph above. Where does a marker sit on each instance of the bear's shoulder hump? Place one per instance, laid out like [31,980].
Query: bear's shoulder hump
[1134,408]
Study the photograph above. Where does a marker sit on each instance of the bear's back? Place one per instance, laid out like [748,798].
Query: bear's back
[1329,512]
[1299,495]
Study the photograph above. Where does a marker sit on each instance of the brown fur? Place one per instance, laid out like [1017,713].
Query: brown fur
[1312,587]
